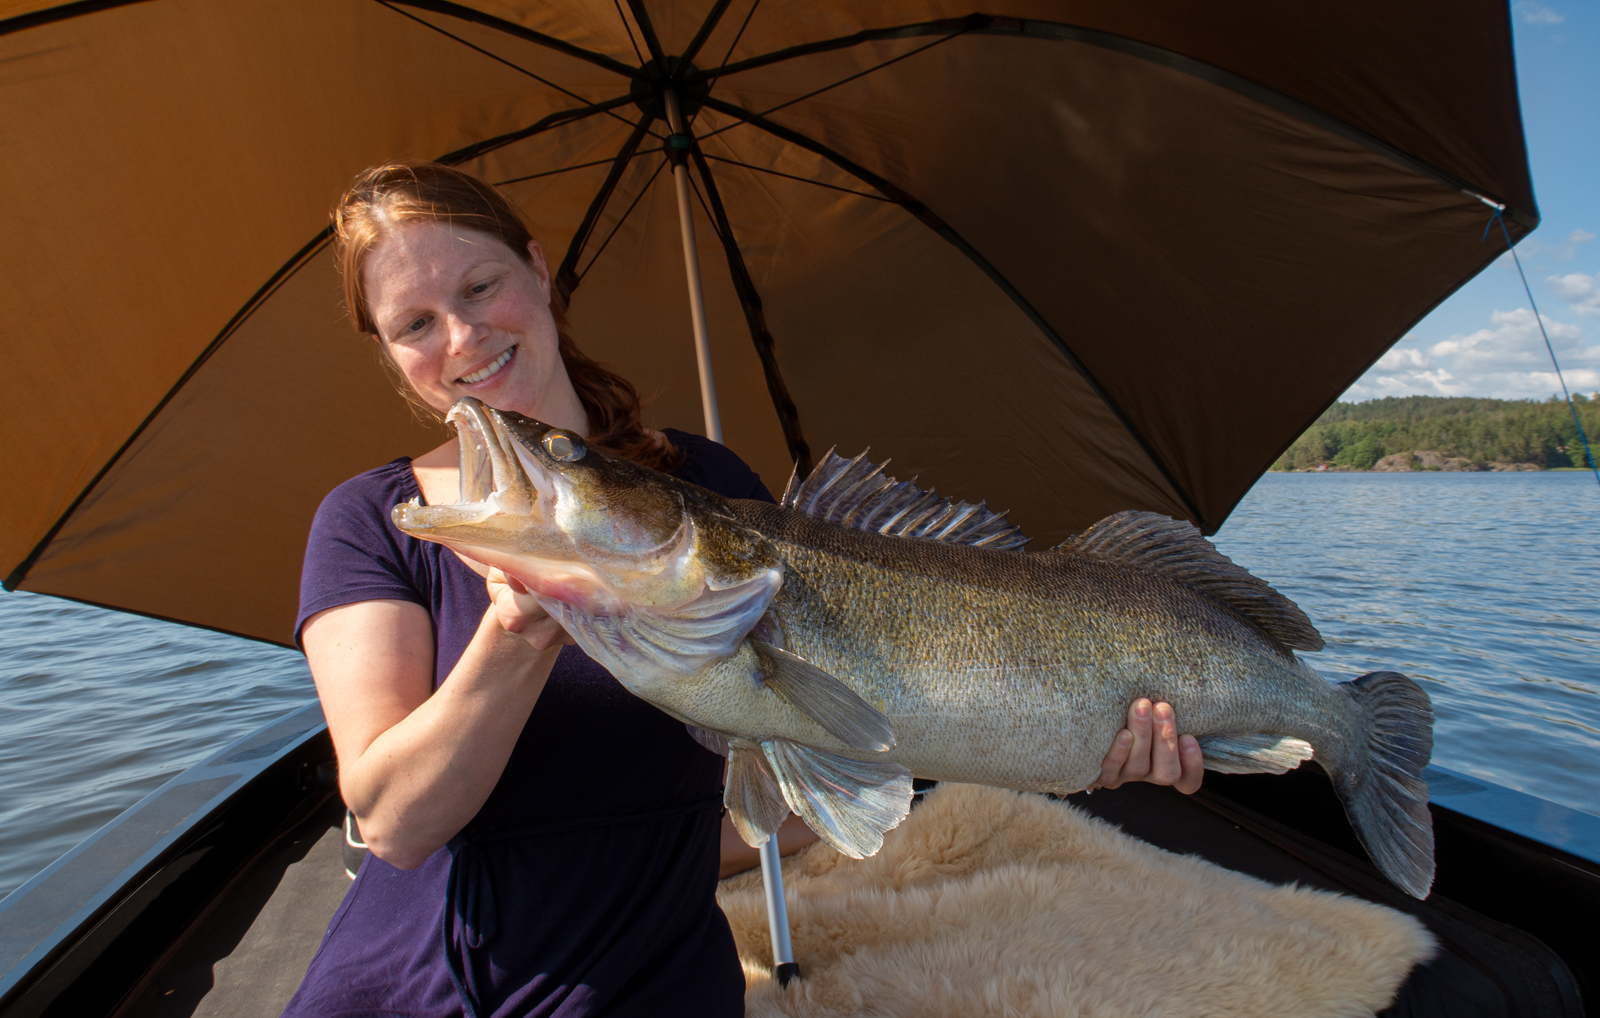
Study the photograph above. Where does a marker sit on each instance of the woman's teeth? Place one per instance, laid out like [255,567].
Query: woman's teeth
[499,362]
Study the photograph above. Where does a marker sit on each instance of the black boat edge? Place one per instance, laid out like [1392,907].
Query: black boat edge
[79,936]
[82,935]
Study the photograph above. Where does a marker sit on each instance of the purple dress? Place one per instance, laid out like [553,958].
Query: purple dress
[586,884]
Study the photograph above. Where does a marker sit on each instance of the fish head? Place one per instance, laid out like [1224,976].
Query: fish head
[577,526]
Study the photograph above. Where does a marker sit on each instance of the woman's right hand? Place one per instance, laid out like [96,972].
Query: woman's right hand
[519,612]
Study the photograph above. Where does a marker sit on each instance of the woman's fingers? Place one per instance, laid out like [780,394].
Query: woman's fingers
[1138,764]
[1116,757]
[1194,765]
[1150,749]
[519,612]
[1164,766]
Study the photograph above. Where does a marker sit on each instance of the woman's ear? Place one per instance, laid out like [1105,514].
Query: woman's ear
[536,262]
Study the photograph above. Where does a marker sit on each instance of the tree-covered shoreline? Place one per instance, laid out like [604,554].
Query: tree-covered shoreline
[1482,432]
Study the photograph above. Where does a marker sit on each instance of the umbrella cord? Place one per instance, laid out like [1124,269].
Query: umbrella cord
[1588,454]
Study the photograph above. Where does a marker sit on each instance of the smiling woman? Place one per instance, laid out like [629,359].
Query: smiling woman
[494,770]
[434,229]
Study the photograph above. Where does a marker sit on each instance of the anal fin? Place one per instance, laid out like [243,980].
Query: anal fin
[824,699]
[851,804]
[1246,753]
[755,802]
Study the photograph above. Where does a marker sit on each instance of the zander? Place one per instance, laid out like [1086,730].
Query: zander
[864,631]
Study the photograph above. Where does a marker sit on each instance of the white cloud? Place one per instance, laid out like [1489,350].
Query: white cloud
[1562,252]
[1507,360]
[1579,290]
[1538,14]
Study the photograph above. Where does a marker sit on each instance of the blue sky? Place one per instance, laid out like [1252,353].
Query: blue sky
[1484,340]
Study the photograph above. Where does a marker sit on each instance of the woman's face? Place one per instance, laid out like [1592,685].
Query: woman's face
[461,315]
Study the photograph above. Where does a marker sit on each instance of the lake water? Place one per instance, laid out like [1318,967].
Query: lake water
[1483,587]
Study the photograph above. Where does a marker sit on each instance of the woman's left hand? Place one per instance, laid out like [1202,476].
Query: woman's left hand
[519,612]
[1150,749]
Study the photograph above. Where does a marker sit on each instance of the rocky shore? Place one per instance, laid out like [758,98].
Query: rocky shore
[1425,459]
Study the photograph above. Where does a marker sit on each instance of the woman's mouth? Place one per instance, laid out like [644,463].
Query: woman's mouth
[490,370]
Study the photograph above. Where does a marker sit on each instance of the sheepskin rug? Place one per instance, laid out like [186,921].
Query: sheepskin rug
[987,902]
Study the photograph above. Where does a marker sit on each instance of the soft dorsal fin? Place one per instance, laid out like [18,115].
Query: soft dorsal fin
[1177,549]
[857,494]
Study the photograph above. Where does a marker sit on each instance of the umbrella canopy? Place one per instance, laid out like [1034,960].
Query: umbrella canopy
[1070,258]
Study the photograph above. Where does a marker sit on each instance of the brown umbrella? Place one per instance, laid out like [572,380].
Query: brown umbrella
[1068,258]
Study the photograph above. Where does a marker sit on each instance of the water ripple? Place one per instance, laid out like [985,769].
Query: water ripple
[1485,588]
[98,708]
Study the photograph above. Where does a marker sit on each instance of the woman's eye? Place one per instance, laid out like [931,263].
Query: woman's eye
[417,326]
[480,288]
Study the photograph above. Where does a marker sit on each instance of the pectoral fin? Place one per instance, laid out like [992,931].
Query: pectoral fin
[851,804]
[754,800]
[1240,753]
[824,699]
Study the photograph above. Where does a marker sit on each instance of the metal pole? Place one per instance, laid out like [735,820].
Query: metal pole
[784,967]
[691,265]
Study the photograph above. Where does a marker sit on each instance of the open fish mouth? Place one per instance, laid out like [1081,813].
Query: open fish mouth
[498,473]
[536,502]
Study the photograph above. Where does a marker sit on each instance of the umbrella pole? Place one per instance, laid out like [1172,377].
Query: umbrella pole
[691,266]
[784,967]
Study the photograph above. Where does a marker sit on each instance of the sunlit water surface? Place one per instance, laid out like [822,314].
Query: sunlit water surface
[1483,587]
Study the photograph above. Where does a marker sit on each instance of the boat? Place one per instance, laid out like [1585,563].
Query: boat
[211,894]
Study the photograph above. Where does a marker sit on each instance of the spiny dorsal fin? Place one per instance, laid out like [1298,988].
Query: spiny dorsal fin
[1177,549]
[857,494]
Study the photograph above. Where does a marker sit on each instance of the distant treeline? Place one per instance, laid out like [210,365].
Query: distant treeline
[1482,430]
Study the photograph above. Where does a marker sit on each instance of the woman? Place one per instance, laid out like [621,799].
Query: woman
[542,842]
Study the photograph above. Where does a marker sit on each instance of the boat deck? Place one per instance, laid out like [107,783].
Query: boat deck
[246,955]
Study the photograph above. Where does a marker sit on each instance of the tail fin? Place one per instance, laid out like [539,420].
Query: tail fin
[1383,791]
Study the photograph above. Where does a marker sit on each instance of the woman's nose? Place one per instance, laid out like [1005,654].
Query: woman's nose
[465,334]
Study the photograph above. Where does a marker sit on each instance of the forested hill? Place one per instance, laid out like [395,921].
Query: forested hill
[1484,431]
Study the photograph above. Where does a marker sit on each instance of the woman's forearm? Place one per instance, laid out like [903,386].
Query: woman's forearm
[422,779]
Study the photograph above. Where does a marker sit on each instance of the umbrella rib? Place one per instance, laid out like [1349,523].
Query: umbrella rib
[629,29]
[842,81]
[545,123]
[928,218]
[510,28]
[803,180]
[575,166]
[495,57]
[706,28]
[755,317]
[626,213]
[711,83]
[942,26]
[648,30]
[566,277]
[283,275]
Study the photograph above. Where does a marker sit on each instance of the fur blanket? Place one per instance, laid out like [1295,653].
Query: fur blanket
[986,902]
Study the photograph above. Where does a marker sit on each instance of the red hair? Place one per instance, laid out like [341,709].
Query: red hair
[422,191]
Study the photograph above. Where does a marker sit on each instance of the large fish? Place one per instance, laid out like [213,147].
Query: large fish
[864,631]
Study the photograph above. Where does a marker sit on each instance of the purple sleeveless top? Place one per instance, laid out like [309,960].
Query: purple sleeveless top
[586,884]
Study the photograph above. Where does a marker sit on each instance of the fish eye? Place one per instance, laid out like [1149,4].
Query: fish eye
[562,448]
